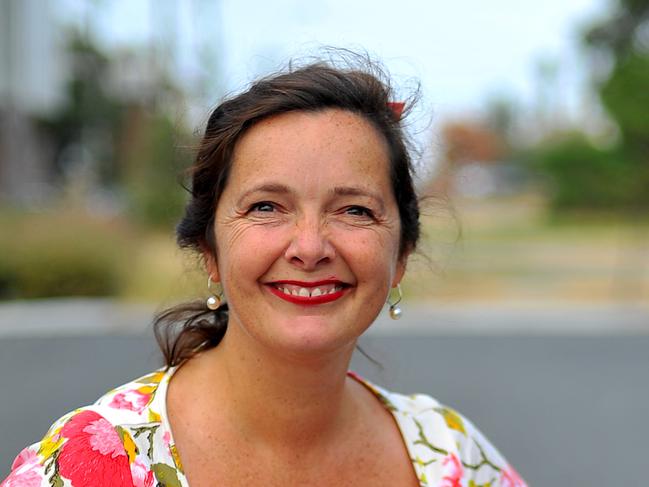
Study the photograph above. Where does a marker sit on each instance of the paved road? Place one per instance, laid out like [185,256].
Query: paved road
[567,409]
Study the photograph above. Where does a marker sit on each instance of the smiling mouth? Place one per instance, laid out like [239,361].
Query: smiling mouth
[308,293]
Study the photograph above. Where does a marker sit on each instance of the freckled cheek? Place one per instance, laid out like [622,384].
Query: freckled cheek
[369,262]
[372,245]
[241,276]
[246,256]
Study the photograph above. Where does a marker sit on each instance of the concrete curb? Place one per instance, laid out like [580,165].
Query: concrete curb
[74,317]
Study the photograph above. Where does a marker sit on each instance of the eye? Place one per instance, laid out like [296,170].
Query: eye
[359,211]
[262,206]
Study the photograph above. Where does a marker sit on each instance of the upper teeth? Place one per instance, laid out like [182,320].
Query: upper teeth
[306,292]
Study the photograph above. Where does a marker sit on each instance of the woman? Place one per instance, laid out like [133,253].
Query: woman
[303,209]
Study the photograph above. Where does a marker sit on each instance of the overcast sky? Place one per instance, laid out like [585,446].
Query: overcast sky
[464,52]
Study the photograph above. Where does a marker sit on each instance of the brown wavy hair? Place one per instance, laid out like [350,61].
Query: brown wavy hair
[186,329]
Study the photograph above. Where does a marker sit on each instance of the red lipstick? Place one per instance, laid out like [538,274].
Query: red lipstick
[340,287]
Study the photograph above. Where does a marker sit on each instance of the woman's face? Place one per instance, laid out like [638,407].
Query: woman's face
[307,231]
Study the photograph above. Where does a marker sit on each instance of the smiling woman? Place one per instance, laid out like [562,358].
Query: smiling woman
[303,209]
[308,210]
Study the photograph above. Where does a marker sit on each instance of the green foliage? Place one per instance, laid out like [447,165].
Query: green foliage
[581,176]
[54,270]
[154,163]
[130,141]
[626,96]
[625,91]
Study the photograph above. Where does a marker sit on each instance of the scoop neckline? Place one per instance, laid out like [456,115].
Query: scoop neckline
[381,395]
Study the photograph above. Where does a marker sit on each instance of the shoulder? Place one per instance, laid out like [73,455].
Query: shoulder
[444,445]
[117,441]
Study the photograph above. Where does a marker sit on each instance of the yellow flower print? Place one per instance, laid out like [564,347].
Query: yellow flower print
[153,378]
[147,390]
[50,443]
[453,419]
[176,457]
[129,444]
[154,417]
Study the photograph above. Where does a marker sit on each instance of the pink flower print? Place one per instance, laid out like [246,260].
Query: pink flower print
[133,400]
[104,439]
[166,438]
[27,478]
[24,471]
[25,457]
[142,476]
[452,471]
[510,478]
[93,454]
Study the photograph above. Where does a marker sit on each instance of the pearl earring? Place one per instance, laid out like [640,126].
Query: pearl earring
[395,311]
[213,301]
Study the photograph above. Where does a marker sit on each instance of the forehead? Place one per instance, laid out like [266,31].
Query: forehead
[329,146]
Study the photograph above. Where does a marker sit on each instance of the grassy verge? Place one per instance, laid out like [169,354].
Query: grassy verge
[512,249]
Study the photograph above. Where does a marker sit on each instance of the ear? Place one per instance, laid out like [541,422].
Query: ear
[400,269]
[211,266]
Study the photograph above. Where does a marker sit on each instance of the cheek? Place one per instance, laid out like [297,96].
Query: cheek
[371,256]
[245,252]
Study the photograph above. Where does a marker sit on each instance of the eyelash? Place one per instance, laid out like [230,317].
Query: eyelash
[357,210]
[257,206]
[366,211]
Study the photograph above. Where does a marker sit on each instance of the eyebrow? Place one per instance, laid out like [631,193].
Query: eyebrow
[278,188]
[356,191]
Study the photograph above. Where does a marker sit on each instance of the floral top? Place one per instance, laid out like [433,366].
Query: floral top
[124,439]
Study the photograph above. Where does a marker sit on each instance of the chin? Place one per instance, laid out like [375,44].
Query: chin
[311,337]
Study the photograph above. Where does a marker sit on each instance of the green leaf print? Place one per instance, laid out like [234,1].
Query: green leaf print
[150,431]
[165,475]
[473,484]
[483,459]
[56,481]
[423,440]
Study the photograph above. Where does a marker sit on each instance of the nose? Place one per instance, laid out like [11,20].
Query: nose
[310,245]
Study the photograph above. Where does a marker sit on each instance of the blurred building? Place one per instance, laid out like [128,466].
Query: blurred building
[475,161]
[32,74]
[58,86]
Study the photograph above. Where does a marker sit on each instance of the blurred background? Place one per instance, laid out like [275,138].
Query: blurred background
[533,120]
[533,137]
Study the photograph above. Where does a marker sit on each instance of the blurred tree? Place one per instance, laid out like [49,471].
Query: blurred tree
[584,176]
[115,131]
[616,178]
[624,91]
[152,157]
[624,31]
[85,127]
[626,97]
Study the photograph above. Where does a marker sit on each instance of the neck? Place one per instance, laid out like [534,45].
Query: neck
[280,401]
